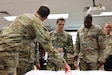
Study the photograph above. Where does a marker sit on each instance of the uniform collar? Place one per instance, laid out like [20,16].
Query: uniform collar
[109,35]
[37,15]
[55,32]
[87,29]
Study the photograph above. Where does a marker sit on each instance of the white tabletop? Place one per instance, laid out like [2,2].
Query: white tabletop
[73,72]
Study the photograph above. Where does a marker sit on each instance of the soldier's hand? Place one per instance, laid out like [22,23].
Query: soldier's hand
[67,67]
[18,65]
[75,58]
[37,66]
[75,64]
[100,63]
[76,61]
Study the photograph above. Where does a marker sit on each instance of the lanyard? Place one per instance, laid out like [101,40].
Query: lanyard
[85,35]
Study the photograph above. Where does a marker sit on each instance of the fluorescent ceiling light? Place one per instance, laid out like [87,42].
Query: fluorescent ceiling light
[10,18]
[96,15]
[104,14]
[56,16]
[51,16]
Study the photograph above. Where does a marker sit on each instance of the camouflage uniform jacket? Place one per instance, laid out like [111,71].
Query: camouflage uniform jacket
[108,50]
[29,53]
[28,57]
[63,40]
[90,43]
[22,31]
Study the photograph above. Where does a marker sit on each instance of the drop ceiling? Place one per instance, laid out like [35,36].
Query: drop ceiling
[73,7]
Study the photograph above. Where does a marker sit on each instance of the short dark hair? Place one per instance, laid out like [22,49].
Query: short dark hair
[88,16]
[60,19]
[43,11]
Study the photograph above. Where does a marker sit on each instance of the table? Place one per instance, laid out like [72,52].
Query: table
[73,72]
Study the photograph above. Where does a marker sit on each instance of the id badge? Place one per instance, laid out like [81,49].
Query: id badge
[56,47]
[84,44]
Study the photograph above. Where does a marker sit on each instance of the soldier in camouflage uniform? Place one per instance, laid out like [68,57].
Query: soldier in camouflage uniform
[108,52]
[23,31]
[90,44]
[62,41]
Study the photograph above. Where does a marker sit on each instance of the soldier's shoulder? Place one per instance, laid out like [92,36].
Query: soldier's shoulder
[99,29]
[97,26]
[80,29]
[65,32]
[27,16]
[68,34]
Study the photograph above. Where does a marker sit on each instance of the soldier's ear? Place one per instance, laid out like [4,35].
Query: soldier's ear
[43,18]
